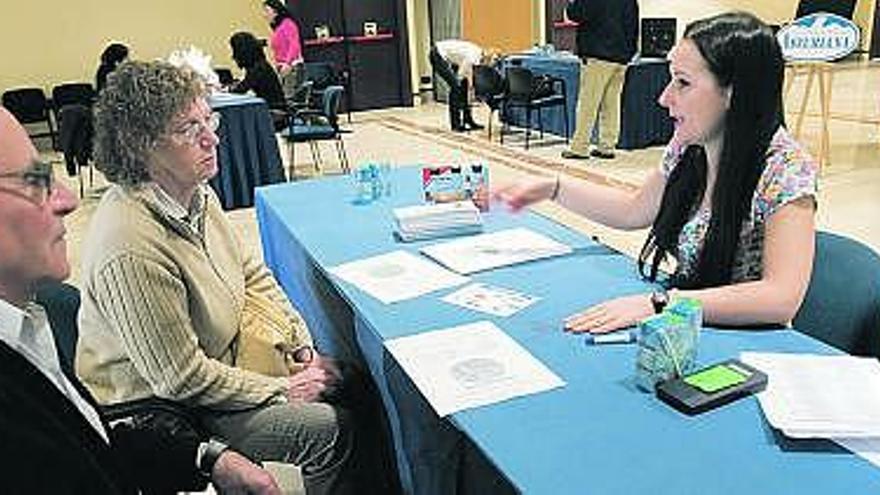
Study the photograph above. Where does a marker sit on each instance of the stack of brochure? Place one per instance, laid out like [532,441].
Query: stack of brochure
[437,220]
[810,396]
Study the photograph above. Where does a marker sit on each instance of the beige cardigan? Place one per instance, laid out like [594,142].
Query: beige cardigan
[162,305]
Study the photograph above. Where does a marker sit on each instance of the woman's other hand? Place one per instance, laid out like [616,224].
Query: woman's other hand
[611,315]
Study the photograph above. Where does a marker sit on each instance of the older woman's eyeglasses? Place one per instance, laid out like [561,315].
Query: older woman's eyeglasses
[35,182]
[193,131]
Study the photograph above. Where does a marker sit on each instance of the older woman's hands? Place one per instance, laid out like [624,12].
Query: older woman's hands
[522,194]
[233,473]
[611,315]
[321,376]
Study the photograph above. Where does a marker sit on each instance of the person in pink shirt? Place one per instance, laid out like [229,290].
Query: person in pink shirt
[285,44]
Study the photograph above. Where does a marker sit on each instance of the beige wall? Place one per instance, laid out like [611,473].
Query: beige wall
[43,43]
[503,24]
[772,11]
[419,41]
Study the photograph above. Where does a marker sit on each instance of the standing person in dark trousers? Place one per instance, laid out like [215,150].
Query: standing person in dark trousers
[453,61]
[607,34]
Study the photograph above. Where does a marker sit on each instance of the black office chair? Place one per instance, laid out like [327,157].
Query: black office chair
[30,106]
[73,94]
[322,75]
[311,126]
[525,90]
[842,305]
[490,88]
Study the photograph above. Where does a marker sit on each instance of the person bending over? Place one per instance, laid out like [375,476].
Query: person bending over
[453,61]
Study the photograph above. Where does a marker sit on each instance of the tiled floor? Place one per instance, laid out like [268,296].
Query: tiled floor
[850,183]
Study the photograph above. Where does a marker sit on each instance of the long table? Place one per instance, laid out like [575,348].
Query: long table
[643,122]
[598,434]
[247,155]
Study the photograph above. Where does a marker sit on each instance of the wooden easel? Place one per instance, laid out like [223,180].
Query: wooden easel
[824,72]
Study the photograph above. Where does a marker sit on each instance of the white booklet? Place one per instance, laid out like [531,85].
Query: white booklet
[397,276]
[816,396]
[812,396]
[470,366]
[483,252]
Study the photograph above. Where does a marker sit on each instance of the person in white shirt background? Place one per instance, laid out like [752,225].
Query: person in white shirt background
[453,61]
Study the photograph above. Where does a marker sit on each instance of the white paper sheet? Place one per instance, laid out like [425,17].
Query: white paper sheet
[490,299]
[397,276]
[469,366]
[812,396]
[486,251]
[866,448]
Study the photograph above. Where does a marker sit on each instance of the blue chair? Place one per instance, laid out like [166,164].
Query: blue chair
[310,126]
[842,305]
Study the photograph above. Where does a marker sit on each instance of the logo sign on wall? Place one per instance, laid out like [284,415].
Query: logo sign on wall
[818,37]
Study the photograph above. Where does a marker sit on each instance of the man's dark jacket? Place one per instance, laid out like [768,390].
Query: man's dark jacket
[607,29]
[48,446]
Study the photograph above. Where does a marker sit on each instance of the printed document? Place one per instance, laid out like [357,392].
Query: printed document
[496,301]
[397,276]
[470,366]
[487,251]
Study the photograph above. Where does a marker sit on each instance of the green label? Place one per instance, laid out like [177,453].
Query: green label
[715,378]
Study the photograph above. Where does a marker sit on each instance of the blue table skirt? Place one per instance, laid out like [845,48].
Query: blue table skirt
[598,434]
[643,122]
[248,152]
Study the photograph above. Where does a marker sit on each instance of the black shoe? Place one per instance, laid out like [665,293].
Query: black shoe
[474,126]
[459,128]
[600,153]
[571,155]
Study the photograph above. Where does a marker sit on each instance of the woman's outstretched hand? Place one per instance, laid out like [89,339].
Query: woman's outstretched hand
[521,194]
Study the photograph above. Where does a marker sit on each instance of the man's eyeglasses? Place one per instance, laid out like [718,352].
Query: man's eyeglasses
[192,131]
[37,181]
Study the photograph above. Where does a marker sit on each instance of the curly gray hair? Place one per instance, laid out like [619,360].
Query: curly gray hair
[134,111]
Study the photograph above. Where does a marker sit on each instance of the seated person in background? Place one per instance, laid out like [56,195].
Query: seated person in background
[453,61]
[111,57]
[52,436]
[733,201]
[171,299]
[259,76]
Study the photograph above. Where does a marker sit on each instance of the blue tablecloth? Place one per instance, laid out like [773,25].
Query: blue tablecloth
[598,434]
[248,153]
[643,122]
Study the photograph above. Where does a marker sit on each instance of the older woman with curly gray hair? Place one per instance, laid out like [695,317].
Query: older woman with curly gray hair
[170,296]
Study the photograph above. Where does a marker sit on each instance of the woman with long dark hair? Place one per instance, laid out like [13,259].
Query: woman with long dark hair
[285,44]
[111,57]
[732,205]
[259,77]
